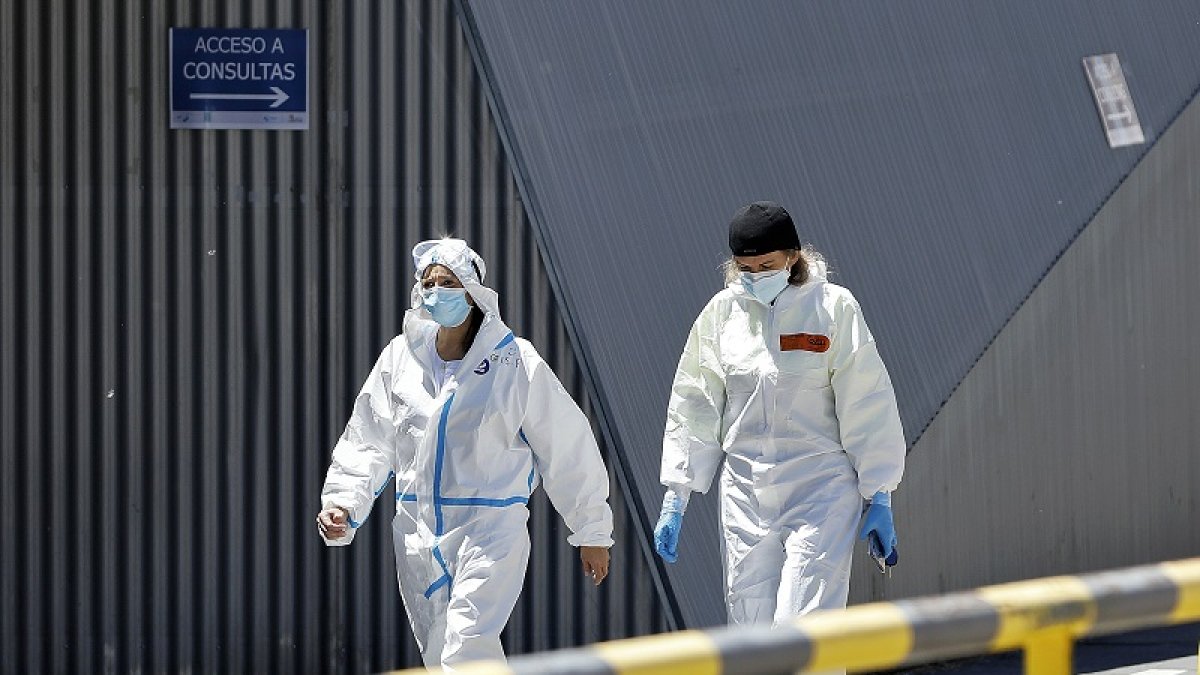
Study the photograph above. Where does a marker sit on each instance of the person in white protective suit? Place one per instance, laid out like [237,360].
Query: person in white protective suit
[468,418]
[780,377]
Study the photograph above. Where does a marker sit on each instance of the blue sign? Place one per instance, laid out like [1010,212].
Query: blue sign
[239,78]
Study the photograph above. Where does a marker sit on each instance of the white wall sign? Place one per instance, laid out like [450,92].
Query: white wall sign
[1113,101]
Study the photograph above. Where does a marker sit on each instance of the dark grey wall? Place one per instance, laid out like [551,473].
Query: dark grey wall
[943,154]
[1074,443]
[186,315]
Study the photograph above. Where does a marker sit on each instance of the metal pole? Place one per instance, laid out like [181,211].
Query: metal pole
[1049,652]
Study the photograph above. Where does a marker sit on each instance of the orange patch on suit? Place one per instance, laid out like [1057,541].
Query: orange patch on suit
[804,341]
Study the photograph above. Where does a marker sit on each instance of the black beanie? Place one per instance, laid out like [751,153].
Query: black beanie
[762,227]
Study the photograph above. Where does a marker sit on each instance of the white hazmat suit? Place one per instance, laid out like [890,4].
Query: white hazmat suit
[466,455]
[796,400]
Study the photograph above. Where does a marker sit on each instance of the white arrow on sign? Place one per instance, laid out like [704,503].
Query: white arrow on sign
[279,97]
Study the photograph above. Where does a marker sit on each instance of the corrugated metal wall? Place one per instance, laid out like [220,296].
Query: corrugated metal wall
[186,315]
[1074,444]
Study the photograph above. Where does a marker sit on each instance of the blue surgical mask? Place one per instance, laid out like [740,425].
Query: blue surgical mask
[447,306]
[766,286]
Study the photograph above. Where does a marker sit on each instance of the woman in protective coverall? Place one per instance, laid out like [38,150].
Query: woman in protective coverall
[468,418]
[780,378]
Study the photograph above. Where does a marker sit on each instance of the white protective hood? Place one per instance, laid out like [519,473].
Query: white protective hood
[466,265]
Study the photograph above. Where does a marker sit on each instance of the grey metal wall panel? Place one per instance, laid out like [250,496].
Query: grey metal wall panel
[942,154]
[1074,443]
[186,315]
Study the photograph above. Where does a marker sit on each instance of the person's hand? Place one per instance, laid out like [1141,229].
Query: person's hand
[878,520]
[595,562]
[333,522]
[666,535]
[670,520]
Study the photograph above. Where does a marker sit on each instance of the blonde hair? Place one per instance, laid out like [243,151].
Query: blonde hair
[799,275]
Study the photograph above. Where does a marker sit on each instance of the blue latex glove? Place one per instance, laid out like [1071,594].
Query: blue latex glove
[878,520]
[666,533]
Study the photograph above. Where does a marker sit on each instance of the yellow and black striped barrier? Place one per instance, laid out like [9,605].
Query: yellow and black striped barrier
[1043,617]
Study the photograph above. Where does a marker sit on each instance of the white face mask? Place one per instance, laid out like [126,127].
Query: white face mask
[447,306]
[766,286]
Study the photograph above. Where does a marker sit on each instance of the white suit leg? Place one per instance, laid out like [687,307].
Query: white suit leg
[435,641]
[753,556]
[752,577]
[415,570]
[489,572]
[819,546]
